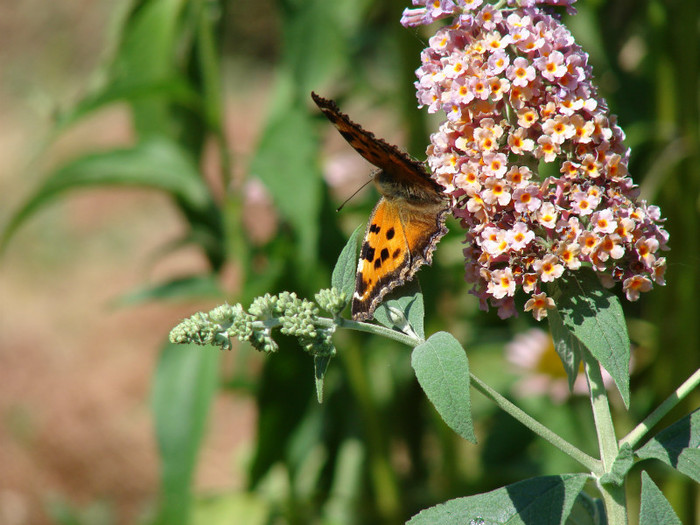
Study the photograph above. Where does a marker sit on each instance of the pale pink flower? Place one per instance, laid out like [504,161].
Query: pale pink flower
[502,283]
[632,286]
[549,268]
[526,199]
[539,304]
[547,215]
[519,236]
[603,221]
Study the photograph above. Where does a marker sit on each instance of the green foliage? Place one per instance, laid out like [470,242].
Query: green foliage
[442,370]
[678,446]
[592,315]
[621,466]
[546,500]
[587,511]
[158,164]
[343,277]
[403,310]
[369,454]
[185,288]
[656,510]
[285,159]
[184,385]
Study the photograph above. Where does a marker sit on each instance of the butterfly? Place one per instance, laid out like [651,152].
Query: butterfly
[406,223]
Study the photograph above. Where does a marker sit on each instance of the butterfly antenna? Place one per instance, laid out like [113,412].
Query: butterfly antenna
[351,196]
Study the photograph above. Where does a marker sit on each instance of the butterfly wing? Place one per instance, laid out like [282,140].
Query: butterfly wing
[398,240]
[390,159]
[405,225]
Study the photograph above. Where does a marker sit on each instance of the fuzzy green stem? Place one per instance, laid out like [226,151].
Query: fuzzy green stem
[538,428]
[382,472]
[664,408]
[378,330]
[613,495]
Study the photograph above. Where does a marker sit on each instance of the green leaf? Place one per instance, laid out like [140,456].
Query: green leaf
[442,369]
[315,42]
[545,500]
[678,446]
[343,277]
[286,163]
[148,52]
[655,508]
[184,288]
[594,316]
[156,164]
[184,386]
[321,363]
[347,485]
[174,89]
[401,306]
[587,511]
[620,467]
[566,345]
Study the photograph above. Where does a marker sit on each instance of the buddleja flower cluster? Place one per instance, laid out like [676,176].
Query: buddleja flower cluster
[530,154]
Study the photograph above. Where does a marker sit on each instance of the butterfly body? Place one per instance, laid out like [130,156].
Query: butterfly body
[406,223]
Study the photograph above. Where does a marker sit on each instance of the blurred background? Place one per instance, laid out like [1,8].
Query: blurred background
[158,157]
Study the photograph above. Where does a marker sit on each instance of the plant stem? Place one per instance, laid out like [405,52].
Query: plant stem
[379,330]
[613,495]
[538,428]
[664,408]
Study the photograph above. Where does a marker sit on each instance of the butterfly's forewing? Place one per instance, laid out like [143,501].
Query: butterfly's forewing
[383,155]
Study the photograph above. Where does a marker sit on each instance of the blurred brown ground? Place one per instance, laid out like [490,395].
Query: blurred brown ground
[75,372]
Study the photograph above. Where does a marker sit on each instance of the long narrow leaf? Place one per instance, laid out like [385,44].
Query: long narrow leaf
[156,164]
[173,89]
[183,389]
[343,277]
[148,52]
[286,162]
[185,288]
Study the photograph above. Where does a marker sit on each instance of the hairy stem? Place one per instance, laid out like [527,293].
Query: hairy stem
[664,408]
[613,495]
[538,428]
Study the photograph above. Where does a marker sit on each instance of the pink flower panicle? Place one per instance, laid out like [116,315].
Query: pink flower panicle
[517,92]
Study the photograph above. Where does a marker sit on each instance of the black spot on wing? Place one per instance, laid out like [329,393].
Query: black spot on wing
[375,228]
[396,253]
[360,285]
[390,233]
[367,252]
[377,263]
[347,135]
[384,254]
